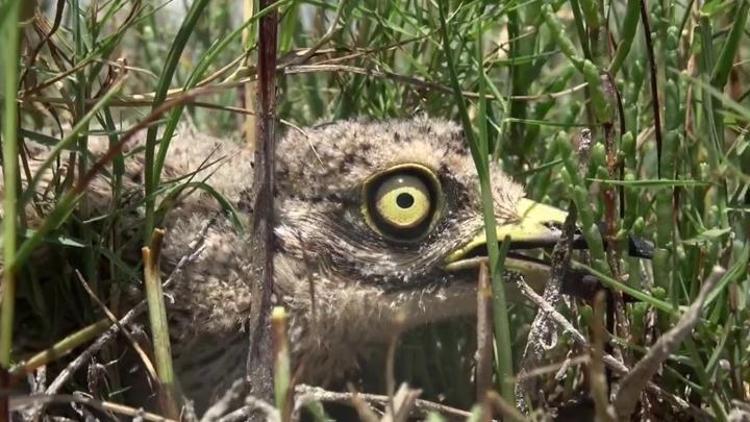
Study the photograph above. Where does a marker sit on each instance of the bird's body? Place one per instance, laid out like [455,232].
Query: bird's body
[346,285]
[371,221]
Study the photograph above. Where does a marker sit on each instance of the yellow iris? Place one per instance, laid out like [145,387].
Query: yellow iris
[403,201]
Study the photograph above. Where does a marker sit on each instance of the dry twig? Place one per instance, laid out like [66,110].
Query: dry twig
[133,343]
[250,409]
[306,394]
[403,403]
[220,407]
[19,403]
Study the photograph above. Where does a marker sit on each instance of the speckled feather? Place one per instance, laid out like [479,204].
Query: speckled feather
[343,283]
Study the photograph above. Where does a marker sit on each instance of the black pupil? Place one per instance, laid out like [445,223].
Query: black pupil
[404,200]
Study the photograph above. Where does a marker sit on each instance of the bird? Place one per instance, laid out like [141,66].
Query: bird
[378,227]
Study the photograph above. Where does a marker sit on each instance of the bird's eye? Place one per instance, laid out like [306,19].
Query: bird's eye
[402,203]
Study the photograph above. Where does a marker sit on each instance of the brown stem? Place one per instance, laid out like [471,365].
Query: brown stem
[261,366]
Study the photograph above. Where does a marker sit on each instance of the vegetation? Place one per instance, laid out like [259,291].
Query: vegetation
[661,86]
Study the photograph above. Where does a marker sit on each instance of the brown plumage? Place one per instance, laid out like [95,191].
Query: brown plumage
[368,214]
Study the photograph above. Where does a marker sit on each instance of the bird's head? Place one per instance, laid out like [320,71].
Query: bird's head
[384,219]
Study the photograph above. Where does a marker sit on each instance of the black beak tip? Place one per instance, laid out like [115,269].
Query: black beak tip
[640,248]
[637,248]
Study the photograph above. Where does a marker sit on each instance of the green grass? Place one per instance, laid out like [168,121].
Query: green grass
[678,178]
[10,11]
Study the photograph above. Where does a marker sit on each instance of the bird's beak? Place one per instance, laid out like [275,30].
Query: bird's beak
[537,226]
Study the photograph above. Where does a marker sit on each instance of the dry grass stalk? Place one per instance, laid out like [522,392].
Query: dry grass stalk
[283,386]
[157,313]
[306,394]
[17,404]
[61,348]
[133,343]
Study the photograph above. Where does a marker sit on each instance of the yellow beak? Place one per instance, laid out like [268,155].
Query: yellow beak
[538,225]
